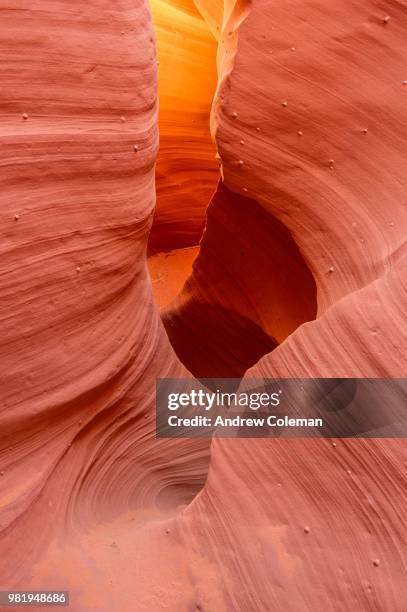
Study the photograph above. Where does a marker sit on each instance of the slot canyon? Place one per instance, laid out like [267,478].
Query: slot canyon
[208,189]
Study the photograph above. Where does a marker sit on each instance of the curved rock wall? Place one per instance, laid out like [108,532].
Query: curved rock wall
[81,340]
[321,117]
[316,94]
[90,500]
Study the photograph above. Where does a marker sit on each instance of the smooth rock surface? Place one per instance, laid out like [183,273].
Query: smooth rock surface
[90,501]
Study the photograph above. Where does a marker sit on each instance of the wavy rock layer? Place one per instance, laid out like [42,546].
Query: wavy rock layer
[90,501]
[321,117]
[82,342]
[319,526]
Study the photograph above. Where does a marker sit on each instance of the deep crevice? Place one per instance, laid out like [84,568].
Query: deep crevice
[250,288]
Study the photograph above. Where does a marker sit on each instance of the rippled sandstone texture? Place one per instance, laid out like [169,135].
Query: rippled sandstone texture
[89,500]
[318,126]
[81,340]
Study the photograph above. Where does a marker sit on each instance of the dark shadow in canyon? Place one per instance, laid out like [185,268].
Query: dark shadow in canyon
[214,342]
[249,289]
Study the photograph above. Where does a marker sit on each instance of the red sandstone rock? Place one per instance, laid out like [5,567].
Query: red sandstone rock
[350,225]
[90,501]
[82,343]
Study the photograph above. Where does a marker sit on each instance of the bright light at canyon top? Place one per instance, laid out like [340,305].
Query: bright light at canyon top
[186,170]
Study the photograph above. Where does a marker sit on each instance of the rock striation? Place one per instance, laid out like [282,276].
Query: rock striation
[301,272]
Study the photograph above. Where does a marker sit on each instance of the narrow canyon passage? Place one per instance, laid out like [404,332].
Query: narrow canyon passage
[248,290]
[91,500]
[186,170]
